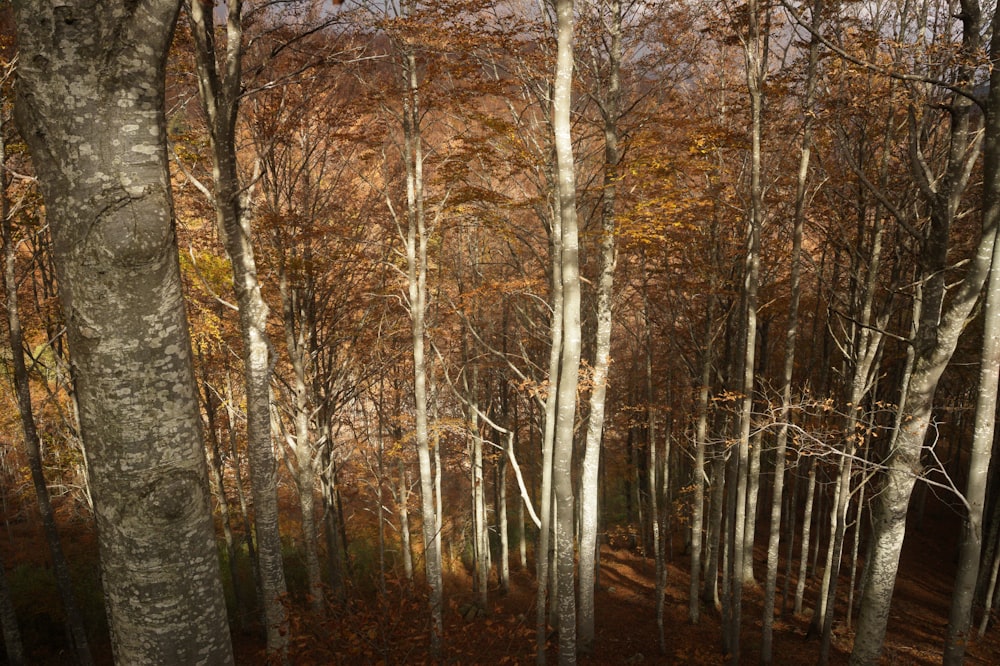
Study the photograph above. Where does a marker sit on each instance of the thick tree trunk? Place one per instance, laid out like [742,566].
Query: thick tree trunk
[103,170]
[904,464]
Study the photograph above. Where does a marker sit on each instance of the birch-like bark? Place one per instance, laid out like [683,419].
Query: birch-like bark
[791,337]
[960,616]
[935,341]
[416,272]
[220,95]
[102,166]
[589,552]
[700,442]
[755,61]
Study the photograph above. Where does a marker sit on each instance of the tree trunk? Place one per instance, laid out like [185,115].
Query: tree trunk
[404,520]
[416,261]
[215,465]
[220,94]
[103,170]
[713,538]
[960,616]
[503,566]
[807,517]
[701,438]
[590,472]
[791,337]
[569,365]
[755,60]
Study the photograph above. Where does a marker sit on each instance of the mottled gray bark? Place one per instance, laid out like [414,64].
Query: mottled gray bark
[90,105]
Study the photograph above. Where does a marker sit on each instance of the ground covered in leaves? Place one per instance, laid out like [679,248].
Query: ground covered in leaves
[371,628]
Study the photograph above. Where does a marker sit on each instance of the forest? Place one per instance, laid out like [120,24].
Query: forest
[435,331]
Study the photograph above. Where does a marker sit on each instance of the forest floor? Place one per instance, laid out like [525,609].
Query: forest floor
[392,628]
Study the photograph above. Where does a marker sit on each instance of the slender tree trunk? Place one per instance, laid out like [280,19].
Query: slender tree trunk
[220,94]
[791,337]
[416,259]
[753,490]
[807,517]
[305,474]
[755,56]
[710,590]
[855,548]
[248,536]
[960,617]
[701,437]
[543,544]
[589,552]
[503,566]
[404,520]
[990,587]
[569,362]
[218,483]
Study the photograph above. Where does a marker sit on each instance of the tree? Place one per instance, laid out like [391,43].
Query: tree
[219,84]
[609,105]
[960,618]
[567,253]
[938,327]
[102,167]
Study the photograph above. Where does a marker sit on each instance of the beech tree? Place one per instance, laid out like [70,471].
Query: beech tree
[102,167]
[220,78]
